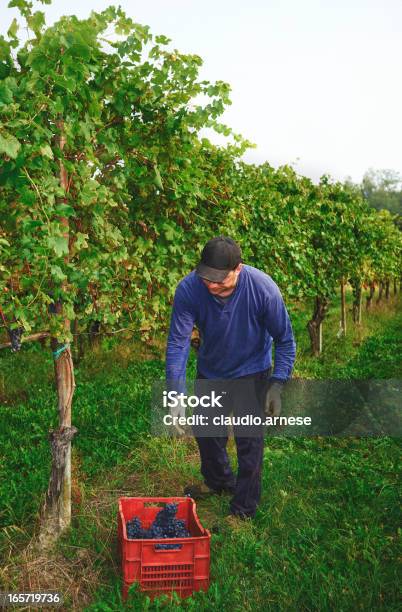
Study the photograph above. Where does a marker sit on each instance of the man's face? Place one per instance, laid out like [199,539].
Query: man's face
[227,286]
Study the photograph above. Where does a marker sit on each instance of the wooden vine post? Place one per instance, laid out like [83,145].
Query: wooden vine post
[380,291]
[343,307]
[369,298]
[320,338]
[314,326]
[56,513]
[357,300]
[357,309]
[387,289]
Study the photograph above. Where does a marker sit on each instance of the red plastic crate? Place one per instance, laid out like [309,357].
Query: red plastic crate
[162,571]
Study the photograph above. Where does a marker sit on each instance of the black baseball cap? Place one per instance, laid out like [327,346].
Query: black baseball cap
[219,256]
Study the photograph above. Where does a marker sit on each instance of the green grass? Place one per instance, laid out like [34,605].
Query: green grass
[372,350]
[325,536]
[103,413]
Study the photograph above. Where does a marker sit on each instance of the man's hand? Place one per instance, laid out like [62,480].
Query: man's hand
[273,403]
[178,411]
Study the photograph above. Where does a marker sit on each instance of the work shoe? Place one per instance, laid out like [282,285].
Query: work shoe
[201,491]
[231,522]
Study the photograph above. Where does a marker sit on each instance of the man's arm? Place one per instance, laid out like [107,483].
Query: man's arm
[178,344]
[280,328]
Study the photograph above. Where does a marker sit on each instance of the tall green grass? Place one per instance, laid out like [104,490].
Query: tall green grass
[325,536]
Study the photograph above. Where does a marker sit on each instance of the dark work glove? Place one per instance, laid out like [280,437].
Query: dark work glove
[273,403]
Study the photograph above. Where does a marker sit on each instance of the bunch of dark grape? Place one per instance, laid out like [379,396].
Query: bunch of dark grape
[165,517]
[55,307]
[165,525]
[15,336]
[134,529]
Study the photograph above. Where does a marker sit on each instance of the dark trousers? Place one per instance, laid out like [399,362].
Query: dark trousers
[242,396]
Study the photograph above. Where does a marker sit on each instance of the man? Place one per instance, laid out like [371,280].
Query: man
[239,312]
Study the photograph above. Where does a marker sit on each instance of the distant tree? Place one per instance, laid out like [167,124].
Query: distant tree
[383,190]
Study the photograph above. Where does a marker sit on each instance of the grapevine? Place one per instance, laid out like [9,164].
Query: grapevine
[15,336]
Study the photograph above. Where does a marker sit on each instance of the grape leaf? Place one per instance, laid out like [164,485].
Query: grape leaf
[9,145]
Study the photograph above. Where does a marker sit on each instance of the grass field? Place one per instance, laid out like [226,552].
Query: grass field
[326,532]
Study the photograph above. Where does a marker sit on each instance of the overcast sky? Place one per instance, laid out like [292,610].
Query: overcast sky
[315,83]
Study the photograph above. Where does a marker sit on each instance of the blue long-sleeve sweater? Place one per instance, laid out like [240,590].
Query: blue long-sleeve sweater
[236,336]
